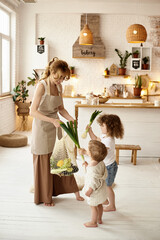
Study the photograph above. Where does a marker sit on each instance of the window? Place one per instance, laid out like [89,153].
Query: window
[5,52]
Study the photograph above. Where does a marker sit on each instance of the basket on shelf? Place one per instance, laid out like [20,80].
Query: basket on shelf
[103,99]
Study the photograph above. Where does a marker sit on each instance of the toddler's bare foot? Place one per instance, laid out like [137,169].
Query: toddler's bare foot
[78,197]
[100,221]
[49,204]
[90,224]
[106,202]
[109,208]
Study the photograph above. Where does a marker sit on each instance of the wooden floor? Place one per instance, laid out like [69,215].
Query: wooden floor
[137,198]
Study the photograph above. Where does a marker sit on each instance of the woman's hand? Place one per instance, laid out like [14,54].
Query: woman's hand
[71,120]
[56,122]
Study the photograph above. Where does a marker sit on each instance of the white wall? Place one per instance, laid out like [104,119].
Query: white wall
[140,128]
[59,22]
[7,115]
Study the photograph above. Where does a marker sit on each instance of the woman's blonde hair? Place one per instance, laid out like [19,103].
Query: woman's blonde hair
[97,150]
[54,65]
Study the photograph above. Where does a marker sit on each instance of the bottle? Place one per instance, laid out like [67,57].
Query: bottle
[125,93]
[104,92]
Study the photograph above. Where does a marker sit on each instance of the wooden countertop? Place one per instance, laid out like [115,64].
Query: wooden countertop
[118,105]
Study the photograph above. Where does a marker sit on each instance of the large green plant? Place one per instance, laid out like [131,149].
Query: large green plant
[20,92]
[123,57]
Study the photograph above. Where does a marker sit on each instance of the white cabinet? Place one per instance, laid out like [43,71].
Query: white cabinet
[40,56]
[138,62]
[69,104]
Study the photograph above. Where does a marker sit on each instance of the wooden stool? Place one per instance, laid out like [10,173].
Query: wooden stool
[134,149]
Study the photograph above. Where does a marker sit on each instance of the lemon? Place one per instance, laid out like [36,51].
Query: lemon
[60,163]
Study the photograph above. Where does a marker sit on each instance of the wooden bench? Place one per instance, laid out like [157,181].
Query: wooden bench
[134,149]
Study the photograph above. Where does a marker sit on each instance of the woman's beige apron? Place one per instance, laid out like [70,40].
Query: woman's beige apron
[43,141]
[44,133]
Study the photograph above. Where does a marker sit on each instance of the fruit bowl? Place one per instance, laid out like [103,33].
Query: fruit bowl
[103,99]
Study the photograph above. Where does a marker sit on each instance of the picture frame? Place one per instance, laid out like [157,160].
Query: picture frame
[113,70]
[136,64]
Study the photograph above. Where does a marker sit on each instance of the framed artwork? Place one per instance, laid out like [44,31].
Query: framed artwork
[40,49]
[136,64]
[113,70]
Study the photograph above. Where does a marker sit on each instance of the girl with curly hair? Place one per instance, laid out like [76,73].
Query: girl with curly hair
[111,128]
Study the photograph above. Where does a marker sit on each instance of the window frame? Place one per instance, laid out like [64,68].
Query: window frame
[8,38]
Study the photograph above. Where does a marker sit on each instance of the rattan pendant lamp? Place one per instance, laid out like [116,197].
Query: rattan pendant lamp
[86,36]
[136,33]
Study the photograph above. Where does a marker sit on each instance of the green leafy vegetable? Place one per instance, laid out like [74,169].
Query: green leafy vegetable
[93,116]
[71,130]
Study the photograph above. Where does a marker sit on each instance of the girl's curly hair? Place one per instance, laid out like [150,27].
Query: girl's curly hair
[113,124]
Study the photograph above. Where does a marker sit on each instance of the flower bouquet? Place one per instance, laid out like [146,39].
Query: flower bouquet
[93,116]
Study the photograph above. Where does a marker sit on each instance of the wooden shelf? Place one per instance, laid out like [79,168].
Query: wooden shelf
[73,75]
[154,81]
[107,76]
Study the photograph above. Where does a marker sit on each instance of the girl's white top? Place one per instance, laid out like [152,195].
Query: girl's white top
[95,179]
[109,142]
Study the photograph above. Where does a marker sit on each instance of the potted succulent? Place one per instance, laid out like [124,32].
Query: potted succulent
[123,61]
[145,61]
[41,40]
[135,54]
[138,86]
[20,94]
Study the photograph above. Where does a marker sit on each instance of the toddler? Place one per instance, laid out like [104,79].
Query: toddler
[111,128]
[95,184]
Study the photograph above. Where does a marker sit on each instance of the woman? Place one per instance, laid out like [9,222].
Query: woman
[47,102]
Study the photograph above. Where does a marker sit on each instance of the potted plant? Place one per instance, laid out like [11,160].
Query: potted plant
[138,86]
[135,54]
[123,61]
[106,72]
[41,40]
[72,70]
[20,94]
[145,61]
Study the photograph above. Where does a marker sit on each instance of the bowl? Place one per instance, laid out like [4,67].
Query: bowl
[103,99]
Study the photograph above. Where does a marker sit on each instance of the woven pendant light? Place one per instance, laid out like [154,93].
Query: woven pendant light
[86,36]
[136,33]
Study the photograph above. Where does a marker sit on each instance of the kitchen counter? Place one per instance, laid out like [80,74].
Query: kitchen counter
[115,105]
[119,105]
[141,125]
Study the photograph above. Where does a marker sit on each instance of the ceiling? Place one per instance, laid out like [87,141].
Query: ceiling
[107,1]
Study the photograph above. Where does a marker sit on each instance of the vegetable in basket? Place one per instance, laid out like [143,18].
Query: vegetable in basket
[93,116]
[62,167]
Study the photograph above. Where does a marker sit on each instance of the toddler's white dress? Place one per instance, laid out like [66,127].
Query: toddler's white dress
[95,178]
